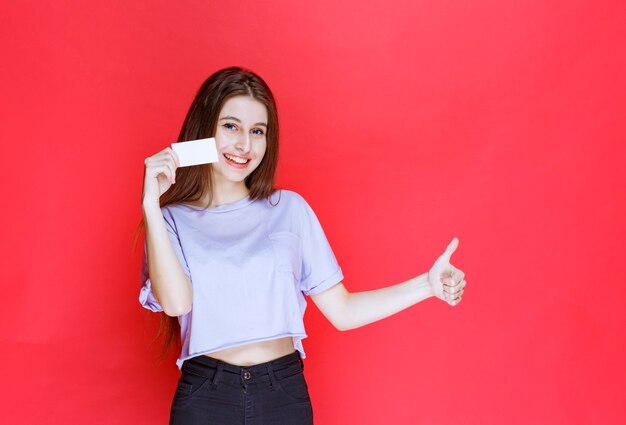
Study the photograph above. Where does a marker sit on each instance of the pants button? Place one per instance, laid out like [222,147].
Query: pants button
[246,375]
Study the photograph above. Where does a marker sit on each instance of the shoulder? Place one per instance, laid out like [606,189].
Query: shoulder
[289,197]
[171,210]
[177,212]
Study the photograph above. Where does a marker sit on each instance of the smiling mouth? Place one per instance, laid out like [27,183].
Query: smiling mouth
[236,160]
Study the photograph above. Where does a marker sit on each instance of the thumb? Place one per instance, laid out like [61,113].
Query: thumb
[451,248]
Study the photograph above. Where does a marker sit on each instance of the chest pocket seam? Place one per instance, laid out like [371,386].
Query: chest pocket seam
[287,248]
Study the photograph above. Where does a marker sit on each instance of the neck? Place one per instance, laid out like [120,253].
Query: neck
[228,192]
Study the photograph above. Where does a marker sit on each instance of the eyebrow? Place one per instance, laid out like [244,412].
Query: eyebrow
[230,117]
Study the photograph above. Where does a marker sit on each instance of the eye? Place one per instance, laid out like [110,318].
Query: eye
[260,132]
[230,126]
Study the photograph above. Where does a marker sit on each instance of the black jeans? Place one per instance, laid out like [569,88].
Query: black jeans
[213,392]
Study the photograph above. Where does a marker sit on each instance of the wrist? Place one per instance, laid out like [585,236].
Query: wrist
[422,286]
[150,205]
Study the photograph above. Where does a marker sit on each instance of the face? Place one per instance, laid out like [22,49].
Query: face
[240,138]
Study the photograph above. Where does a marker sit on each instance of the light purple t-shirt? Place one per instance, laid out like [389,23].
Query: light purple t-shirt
[251,265]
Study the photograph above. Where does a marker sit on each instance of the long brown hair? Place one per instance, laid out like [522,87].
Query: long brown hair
[195,182]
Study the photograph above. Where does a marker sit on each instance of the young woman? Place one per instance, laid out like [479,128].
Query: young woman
[229,260]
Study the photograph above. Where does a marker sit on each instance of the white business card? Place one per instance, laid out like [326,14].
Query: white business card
[196,152]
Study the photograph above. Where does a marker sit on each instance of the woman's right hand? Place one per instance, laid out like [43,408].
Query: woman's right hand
[159,174]
[445,280]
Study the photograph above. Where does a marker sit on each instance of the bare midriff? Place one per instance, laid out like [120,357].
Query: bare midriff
[256,352]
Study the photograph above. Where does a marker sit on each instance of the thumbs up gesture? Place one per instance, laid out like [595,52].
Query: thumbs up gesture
[446,281]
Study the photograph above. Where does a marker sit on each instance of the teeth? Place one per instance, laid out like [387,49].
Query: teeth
[237,160]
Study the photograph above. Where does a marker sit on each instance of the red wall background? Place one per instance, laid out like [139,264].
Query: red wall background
[404,124]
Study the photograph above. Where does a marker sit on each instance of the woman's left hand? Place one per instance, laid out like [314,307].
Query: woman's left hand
[446,281]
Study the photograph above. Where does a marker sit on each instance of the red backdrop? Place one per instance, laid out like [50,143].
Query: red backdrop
[404,124]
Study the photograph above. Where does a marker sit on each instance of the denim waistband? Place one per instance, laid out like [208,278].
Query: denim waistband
[213,368]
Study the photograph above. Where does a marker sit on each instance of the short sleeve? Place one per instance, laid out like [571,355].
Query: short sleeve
[320,270]
[146,296]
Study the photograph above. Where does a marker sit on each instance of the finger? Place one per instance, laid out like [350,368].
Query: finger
[162,169]
[172,168]
[167,162]
[457,275]
[158,161]
[455,298]
[454,292]
[454,301]
[160,155]
[171,163]
[451,295]
[449,282]
[157,168]
[443,295]
[450,249]
[174,156]
[455,285]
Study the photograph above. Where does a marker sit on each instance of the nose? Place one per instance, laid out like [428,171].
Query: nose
[243,143]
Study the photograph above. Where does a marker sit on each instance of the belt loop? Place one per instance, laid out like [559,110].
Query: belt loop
[217,375]
[301,362]
[270,372]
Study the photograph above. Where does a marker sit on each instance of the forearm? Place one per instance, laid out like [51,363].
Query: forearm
[170,284]
[366,307]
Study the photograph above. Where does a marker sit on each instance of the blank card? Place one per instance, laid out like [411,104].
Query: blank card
[195,152]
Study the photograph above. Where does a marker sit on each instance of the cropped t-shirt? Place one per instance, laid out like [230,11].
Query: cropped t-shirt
[251,263]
